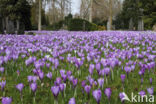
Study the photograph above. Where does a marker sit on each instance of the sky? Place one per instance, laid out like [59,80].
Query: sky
[75,6]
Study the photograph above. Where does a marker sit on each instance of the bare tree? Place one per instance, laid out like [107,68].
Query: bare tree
[85,9]
[91,10]
[40,13]
[58,10]
[39,16]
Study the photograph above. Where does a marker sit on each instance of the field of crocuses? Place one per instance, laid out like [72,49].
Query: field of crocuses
[64,67]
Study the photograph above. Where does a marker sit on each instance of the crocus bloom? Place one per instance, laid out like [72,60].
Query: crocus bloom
[98,66]
[142,80]
[91,71]
[6,100]
[127,69]
[18,72]
[69,73]
[142,93]
[83,83]
[150,80]
[20,87]
[107,71]
[33,86]
[72,101]
[41,75]
[91,68]
[1,69]
[29,78]
[58,80]
[49,75]
[2,84]
[101,82]
[64,77]
[97,95]
[62,87]
[62,72]
[108,92]
[32,78]
[75,81]
[55,90]
[122,76]
[87,89]
[150,90]
[123,97]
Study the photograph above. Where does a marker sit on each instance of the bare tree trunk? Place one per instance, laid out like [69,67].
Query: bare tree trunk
[17,22]
[39,16]
[62,5]
[91,10]
[3,24]
[7,26]
[110,14]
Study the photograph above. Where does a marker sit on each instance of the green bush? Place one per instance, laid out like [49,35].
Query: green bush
[81,24]
[58,25]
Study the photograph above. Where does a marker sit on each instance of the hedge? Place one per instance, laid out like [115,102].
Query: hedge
[81,25]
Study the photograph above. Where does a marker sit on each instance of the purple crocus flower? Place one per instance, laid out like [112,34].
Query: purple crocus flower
[150,80]
[62,72]
[29,61]
[97,95]
[2,84]
[41,75]
[69,73]
[127,69]
[90,71]
[72,101]
[95,83]
[47,65]
[108,92]
[87,88]
[71,78]
[62,87]
[141,72]
[20,86]
[101,82]
[32,78]
[122,76]
[64,77]
[98,66]
[142,93]
[122,96]
[150,90]
[75,81]
[91,68]
[58,81]
[91,81]
[18,72]
[56,63]
[49,75]
[142,80]
[1,69]
[55,90]
[33,87]
[29,78]
[6,100]
[107,71]
[83,83]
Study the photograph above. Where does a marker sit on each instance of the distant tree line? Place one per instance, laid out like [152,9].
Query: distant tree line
[15,15]
[20,15]
[135,10]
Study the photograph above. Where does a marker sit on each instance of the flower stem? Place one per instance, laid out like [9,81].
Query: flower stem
[55,101]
